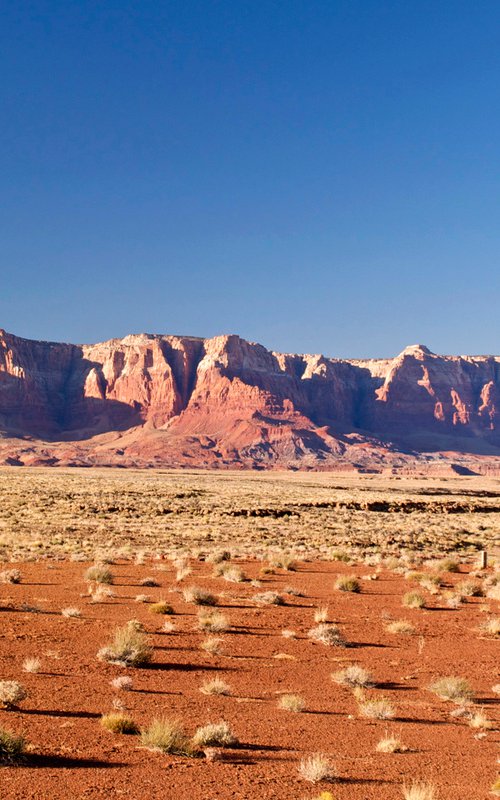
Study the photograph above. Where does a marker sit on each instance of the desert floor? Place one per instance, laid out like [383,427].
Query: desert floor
[55,524]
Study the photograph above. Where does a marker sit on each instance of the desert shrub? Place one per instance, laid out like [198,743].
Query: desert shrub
[199,596]
[340,555]
[129,648]
[142,598]
[218,556]
[495,789]
[150,582]
[491,627]
[100,594]
[400,626]
[291,702]
[230,572]
[293,591]
[212,645]
[288,634]
[12,747]
[32,665]
[212,622]
[99,573]
[123,682]
[391,744]
[10,576]
[479,721]
[182,572]
[215,734]
[161,607]
[376,709]
[469,588]
[316,768]
[327,633]
[71,611]
[269,599]
[12,693]
[321,614]
[452,688]
[284,561]
[348,583]
[167,736]
[353,675]
[419,791]
[215,686]
[119,723]
[449,565]
[413,600]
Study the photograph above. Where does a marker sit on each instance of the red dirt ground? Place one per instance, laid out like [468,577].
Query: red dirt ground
[73,756]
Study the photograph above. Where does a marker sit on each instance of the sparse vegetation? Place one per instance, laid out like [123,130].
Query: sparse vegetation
[12,693]
[458,690]
[12,747]
[292,702]
[420,791]
[353,675]
[215,686]
[32,665]
[116,722]
[199,596]
[391,744]
[317,768]
[161,607]
[348,583]
[167,736]
[215,734]
[414,600]
[380,708]
[129,648]
[327,633]
[99,573]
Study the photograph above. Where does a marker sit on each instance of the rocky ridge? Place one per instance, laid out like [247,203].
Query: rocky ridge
[180,401]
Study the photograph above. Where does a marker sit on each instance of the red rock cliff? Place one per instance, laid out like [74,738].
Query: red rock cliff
[151,399]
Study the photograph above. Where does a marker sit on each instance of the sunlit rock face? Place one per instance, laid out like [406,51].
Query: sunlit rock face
[186,401]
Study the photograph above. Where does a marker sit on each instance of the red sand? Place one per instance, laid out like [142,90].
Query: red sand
[72,756]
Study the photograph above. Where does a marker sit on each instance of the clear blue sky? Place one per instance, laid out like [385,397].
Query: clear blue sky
[316,176]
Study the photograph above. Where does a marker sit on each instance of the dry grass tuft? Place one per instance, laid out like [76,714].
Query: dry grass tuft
[215,686]
[376,709]
[129,648]
[458,690]
[32,665]
[391,744]
[327,633]
[419,791]
[119,723]
[166,736]
[317,768]
[292,702]
[215,734]
[99,573]
[199,596]
[12,747]
[413,600]
[161,607]
[353,675]
[348,583]
[12,693]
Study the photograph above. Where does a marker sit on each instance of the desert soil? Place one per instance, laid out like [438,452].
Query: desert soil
[72,756]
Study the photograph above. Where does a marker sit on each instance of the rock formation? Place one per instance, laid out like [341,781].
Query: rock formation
[151,400]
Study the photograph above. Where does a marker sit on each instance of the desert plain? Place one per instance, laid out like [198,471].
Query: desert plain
[350,620]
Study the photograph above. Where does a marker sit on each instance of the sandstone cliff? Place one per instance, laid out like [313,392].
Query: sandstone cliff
[184,401]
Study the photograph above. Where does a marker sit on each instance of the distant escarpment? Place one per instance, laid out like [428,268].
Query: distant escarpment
[180,401]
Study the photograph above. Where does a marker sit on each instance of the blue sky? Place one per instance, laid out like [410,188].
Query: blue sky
[316,176]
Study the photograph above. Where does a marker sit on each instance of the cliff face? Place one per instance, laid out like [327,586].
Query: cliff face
[225,401]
